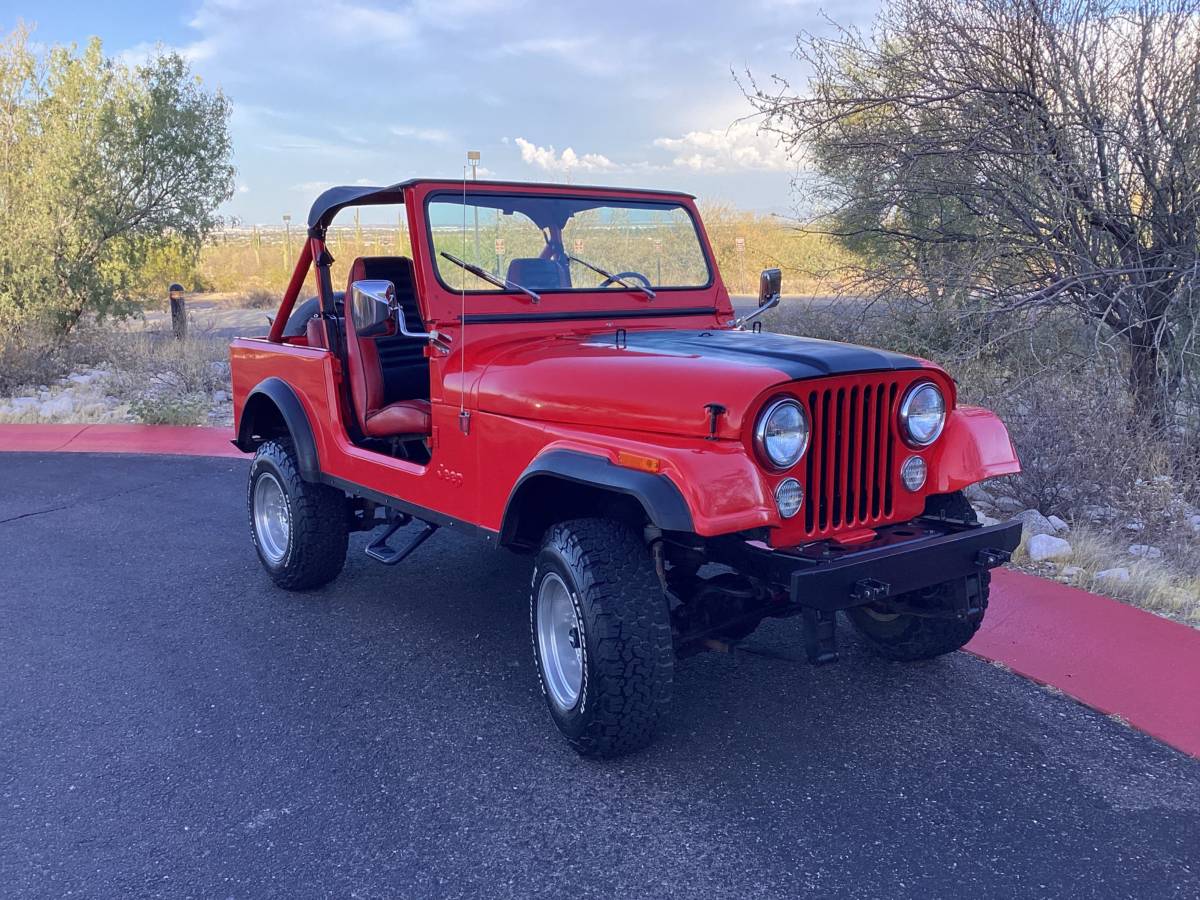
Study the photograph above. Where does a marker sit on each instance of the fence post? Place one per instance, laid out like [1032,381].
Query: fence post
[178,311]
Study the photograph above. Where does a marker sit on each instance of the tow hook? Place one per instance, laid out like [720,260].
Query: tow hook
[990,558]
[868,590]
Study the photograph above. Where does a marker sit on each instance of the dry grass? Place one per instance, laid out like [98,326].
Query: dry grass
[1169,585]
[168,382]
[141,376]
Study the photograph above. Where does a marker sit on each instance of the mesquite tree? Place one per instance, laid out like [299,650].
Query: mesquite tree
[100,164]
[1007,155]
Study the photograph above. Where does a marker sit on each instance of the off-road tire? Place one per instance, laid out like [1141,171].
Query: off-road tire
[628,654]
[319,532]
[908,638]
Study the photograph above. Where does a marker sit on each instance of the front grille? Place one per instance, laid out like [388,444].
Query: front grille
[850,458]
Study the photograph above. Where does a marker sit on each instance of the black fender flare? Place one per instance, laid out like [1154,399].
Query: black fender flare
[283,397]
[664,505]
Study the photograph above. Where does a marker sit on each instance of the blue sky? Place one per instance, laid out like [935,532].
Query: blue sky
[619,92]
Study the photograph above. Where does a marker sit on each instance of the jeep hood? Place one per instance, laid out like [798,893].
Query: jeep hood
[659,381]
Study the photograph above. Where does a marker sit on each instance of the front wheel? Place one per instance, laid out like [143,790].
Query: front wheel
[299,529]
[601,636]
[907,637]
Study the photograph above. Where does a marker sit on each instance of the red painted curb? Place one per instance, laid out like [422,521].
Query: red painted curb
[1115,658]
[169,439]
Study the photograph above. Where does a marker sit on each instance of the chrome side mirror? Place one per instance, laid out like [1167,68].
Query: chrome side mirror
[371,306]
[769,284]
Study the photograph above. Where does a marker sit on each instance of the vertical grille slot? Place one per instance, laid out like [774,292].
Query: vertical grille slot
[851,455]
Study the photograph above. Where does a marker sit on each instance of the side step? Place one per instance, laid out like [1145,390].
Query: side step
[379,549]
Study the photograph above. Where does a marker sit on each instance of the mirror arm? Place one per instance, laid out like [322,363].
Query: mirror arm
[436,338]
[739,324]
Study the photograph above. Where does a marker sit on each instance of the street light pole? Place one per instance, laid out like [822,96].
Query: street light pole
[473,162]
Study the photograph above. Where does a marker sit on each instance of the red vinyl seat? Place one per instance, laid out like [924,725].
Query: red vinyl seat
[379,418]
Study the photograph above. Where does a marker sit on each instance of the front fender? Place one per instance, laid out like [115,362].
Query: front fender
[974,445]
[705,487]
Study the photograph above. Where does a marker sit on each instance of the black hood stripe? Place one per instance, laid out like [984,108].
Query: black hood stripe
[796,357]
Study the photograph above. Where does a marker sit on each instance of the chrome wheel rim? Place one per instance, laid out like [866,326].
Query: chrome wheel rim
[272,518]
[560,642]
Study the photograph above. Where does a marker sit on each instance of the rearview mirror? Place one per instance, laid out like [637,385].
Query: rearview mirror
[371,306]
[769,284]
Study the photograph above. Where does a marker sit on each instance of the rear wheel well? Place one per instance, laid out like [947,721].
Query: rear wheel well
[261,421]
[543,500]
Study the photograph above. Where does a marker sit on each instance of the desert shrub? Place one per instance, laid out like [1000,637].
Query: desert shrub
[29,358]
[261,298]
[188,410]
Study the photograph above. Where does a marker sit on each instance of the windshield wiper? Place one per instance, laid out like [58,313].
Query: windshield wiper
[611,277]
[490,278]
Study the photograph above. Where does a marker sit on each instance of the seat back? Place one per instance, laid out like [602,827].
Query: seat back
[391,366]
[535,273]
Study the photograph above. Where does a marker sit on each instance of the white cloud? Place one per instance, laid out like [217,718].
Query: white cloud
[740,146]
[548,159]
[429,135]
[243,189]
[583,54]
[360,22]
[313,188]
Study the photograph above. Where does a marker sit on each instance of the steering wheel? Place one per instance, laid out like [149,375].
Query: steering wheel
[623,275]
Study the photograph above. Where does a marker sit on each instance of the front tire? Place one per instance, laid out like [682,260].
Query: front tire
[907,638]
[601,636]
[299,529]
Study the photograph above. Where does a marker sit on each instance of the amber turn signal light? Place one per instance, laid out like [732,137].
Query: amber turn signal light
[637,461]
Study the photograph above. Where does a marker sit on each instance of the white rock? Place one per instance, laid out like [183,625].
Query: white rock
[986,521]
[1194,521]
[22,404]
[1145,551]
[1134,526]
[1008,505]
[1059,525]
[1071,571]
[1118,574]
[81,377]
[977,493]
[219,396]
[1033,522]
[1101,513]
[1042,547]
[61,405]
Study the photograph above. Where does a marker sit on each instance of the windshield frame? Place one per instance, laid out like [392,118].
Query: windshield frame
[616,199]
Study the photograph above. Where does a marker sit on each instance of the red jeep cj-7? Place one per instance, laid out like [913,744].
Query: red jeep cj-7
[558,370]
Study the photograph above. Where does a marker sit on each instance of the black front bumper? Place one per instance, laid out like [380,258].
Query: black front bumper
[826,576]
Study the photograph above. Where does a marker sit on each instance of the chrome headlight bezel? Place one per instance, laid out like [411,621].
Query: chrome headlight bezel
[762,439]
[906,409]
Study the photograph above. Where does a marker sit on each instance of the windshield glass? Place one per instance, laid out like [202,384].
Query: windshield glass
[555,243]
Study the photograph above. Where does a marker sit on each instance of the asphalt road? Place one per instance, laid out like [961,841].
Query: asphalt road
[172,725]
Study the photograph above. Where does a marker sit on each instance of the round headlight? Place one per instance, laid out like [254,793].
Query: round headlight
[923,414]
[788,497]
[782,433]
